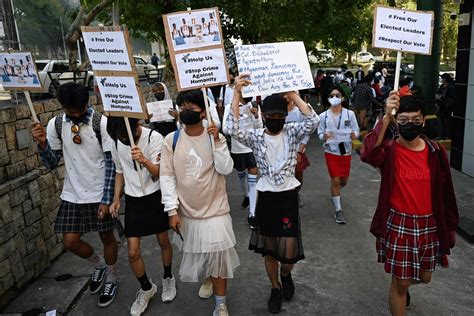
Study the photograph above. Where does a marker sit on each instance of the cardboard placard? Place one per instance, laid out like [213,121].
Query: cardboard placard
[403,30]
[193,36]
[110,54]
[18,72]
[274,67]
[159,110]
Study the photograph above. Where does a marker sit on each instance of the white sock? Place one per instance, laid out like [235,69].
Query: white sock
[97,261]
[243,182]
[252,182]
[336,201]
[111,274]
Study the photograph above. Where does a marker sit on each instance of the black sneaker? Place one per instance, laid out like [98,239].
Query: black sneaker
[288,287]
[274,303]
[97,277]
[407,304]
[252,222]
[245,203]
[108,294]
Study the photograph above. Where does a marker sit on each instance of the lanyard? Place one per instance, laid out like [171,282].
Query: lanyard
[326,119]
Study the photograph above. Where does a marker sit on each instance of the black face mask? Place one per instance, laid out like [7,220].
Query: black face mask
[159,96]
[189,117]
[274,125]
[409,131]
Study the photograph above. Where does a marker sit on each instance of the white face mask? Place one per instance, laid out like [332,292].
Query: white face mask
[335,101]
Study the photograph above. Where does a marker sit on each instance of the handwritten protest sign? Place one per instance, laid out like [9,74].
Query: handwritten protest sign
[18,71]
[403,30]
[159,110]
[276,67]
[111,58]
[339,135]
[202,68]
[107,51]
[196,48]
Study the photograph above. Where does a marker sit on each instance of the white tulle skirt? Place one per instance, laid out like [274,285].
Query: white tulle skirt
[208,247]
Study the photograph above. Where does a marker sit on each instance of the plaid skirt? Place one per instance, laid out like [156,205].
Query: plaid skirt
[410,246]
[81,218]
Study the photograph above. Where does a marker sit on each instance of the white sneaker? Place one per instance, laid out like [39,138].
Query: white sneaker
[169,290]
[205,291]
[221,310]
[141,302]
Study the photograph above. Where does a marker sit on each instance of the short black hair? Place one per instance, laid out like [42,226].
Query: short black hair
[410,103]
[73,96]
[405,81]
[117,129]
[191,96]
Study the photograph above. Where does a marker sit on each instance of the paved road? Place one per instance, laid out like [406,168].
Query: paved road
[339,276]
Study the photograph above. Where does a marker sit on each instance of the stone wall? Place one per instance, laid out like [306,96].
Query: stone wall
[29,199]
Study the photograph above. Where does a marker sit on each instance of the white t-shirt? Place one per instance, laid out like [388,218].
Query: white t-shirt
[84,174]
[122,156]
[276,155]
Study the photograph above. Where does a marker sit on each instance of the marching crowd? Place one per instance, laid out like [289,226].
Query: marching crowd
[174,178]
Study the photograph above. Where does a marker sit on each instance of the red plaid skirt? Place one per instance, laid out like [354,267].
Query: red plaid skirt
[410,246]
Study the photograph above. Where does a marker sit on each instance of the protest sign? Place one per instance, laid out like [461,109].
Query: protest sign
[403,30]
[196,48]
[275,67]
[193,29]
[339,135]
[200,69]
[110,54]
[18,72]
[159,110]
[107,51]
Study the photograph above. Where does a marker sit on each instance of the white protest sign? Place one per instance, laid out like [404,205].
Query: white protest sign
[339,135]
[159,110]
[403,30]
[107,50]
[18,71]
[119,94]
[277,67]
[201,68]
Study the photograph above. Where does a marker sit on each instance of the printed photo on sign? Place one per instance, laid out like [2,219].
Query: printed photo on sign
[273,68]
[18,71]
[159,110]
[119,94]
[107,51]
[403,30]
[201,68]
[194,29]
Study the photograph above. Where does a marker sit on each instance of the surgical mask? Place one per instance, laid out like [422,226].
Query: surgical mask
[410,131]
[274,125]
[335,101]
[189,117]
[159,96]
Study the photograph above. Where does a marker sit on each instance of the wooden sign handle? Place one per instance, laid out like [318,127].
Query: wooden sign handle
[397,75]
[30,105]
[209,117]
[132,144]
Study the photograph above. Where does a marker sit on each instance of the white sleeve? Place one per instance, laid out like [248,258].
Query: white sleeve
[116,159]
[225,124]
[52,136]
[107,142]
[169,194]
[156,144]
[210,96]
[322,126]
[214,114]
[222,160]
[354,125]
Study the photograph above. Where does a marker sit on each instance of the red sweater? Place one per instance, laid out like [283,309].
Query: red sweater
[445,209]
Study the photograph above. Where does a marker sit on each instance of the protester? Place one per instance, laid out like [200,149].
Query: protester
[338,154]
[417,215]
[327,82]
[317,85]
[360,75]
[244,160]
[192,179]
[160,93]
[362,98]
[155,60]
[278,234]
[445,101]
[302,161]
[80,136]
[144,214]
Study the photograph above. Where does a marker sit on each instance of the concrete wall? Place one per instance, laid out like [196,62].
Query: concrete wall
[29,199]
[462,122]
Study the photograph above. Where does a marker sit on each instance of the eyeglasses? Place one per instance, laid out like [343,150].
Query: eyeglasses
[76,139]
[337,95]
[404,121]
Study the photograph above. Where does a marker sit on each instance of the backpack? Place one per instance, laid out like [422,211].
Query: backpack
[176,137]
[96,118]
